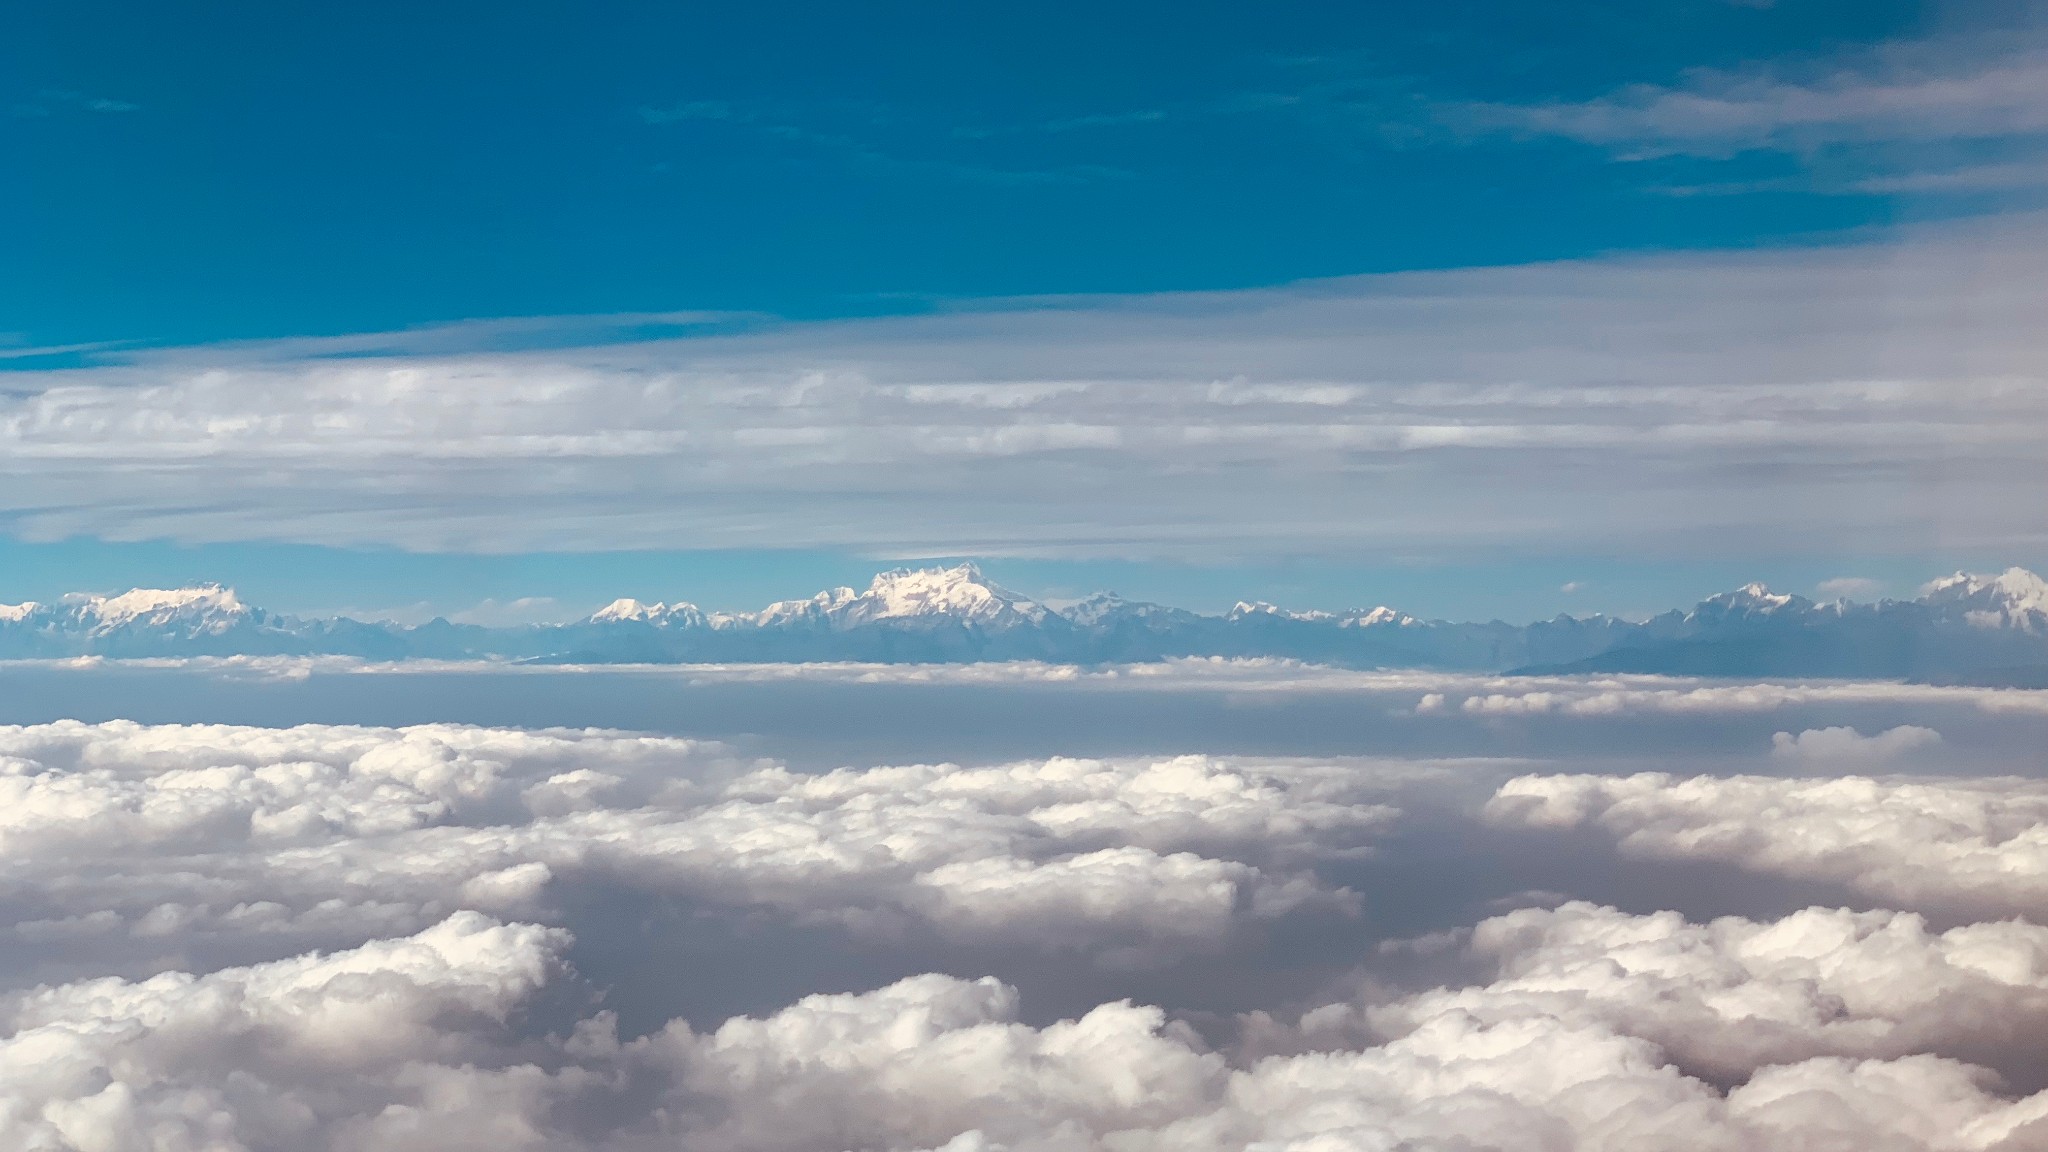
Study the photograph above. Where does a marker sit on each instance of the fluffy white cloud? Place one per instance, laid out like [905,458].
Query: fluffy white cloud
[1597,1032]
[1596,697]
[332,834]
[1848,746]
[1923,842]
[374,1048]
[1850,588]
[1573,1046]
[1729,997]
[1719,392]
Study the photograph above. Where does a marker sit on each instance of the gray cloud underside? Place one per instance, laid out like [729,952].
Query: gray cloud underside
[1872,397]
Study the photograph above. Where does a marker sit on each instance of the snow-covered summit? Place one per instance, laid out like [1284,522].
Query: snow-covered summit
[1260,609]
[1379,617]
[959,593]
[1107,610]
[2015,598]
[1356,618]
[201,609]
[1757,598]
[629,611]
[1750,600]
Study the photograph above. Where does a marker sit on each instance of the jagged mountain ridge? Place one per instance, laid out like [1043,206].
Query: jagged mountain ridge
[1961,627]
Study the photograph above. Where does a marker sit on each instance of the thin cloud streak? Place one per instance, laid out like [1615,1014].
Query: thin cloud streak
[1903,93]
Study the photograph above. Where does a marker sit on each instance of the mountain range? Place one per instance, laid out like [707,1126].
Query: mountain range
[1964,628]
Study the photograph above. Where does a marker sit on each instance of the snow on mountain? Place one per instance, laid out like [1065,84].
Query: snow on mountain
[1356,618]
[820,610]
[1259,609]
[2015,598]
[1107,610]
[959,593]
[1750,600]
[628,611]
[1377,618]
[1963,625]
[204,609]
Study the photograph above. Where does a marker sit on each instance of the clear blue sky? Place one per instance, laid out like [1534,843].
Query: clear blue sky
[188,176]
[198,172]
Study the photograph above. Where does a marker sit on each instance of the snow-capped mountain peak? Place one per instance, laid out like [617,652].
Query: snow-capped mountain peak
[961,591]
[2015,598]
[1244,609]
[626,610]
[205,608]
[956,591]
[1106,609]
[1752,599]
[1379,617]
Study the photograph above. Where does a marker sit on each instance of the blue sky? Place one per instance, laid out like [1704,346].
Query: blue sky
[215,186]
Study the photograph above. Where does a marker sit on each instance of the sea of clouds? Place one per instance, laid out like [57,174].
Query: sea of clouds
[354,935]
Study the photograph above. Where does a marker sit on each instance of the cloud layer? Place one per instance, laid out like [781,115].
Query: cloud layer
[167,834]
[1881,396]
[366,1049]
[396,1046]
[447,1012]
[1923,843]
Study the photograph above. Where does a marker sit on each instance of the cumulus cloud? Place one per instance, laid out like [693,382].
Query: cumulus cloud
[1726,998]
[332,833]
[395,1046]
[1981,844]
[374,1048]
[1850,588]
[1847,746]
[1324,418]
[1579,1043]
[1583,1027]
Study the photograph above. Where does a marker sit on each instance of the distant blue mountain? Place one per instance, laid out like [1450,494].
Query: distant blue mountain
[1964,628]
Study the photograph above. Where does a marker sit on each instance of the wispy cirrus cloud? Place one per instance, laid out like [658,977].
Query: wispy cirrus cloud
[1924,92]
[1964,115]
[51,101]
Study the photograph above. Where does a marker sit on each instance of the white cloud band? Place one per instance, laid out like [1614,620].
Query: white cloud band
[1865,398]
